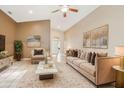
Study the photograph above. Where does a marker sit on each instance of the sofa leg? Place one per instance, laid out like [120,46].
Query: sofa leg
[97,86]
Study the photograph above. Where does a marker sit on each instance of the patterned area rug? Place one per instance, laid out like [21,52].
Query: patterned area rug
[22,75]
[65,78]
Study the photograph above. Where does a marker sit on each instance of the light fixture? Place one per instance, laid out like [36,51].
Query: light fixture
[65,9]
[119,50]
[30,12]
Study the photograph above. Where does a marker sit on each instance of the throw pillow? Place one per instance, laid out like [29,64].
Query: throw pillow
[69,52]
[85,55]
[72,52]
[79,53]
[76,53]
[93,58]
[38,52]
[89,57]
[82,55]
[35,52]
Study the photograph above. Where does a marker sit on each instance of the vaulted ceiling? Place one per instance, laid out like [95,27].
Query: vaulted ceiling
[23,13]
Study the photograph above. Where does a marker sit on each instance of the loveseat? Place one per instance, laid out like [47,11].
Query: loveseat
[100,72]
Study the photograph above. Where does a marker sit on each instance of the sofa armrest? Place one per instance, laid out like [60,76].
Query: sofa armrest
[104,71]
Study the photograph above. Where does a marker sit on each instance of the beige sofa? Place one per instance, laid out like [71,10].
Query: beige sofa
[100,73]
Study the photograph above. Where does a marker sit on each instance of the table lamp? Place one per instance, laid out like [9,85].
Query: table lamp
[119,50]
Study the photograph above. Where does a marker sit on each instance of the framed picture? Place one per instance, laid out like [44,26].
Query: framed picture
[94,39]
[34,41]
[103,36]
[98,38]
[86,39]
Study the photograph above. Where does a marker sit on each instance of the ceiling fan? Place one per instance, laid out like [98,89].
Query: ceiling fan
[64,9]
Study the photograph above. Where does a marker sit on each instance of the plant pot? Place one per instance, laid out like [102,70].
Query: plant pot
[18,47]
[18,57]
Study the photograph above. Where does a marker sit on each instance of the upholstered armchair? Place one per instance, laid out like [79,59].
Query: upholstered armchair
[37,54]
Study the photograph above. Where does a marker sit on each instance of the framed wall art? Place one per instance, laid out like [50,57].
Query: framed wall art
[34,41]
[98,38]
[86,39]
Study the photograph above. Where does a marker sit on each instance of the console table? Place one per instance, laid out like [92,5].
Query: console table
[119,76]
[7,61]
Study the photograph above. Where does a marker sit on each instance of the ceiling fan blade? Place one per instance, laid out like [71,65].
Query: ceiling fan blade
[64,14]
[73,10]
[55,11]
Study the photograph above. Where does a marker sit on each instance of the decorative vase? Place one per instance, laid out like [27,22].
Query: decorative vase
[46,61]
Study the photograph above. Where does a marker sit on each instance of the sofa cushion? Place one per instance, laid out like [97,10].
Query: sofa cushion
[88,68]
[72,58]
[38,56]
[78,62]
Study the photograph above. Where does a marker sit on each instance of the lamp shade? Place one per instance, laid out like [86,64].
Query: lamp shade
[119,50]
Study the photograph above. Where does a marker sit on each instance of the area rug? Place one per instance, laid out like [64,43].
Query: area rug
[66,77]
[22,75]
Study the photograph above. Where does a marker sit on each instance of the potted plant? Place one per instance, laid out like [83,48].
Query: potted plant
[18,49]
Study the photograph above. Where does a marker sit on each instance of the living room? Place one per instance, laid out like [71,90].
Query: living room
[65,40]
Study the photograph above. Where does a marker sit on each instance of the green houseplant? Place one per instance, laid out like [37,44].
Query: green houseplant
[18,47]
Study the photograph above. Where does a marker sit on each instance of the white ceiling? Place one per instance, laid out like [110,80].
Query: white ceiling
[20,13]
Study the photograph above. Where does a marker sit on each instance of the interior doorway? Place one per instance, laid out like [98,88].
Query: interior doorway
[55,46]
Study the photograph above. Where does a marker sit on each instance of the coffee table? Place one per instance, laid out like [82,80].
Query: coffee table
[46,71]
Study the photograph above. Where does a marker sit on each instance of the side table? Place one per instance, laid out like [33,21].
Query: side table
[119,77]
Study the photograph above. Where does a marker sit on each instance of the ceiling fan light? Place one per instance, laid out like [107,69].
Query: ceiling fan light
[64,9]
[30,12]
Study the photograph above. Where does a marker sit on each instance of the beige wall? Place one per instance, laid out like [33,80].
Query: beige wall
[112,15]
[26,29]
[7,28]
[59,35]
[20,31]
